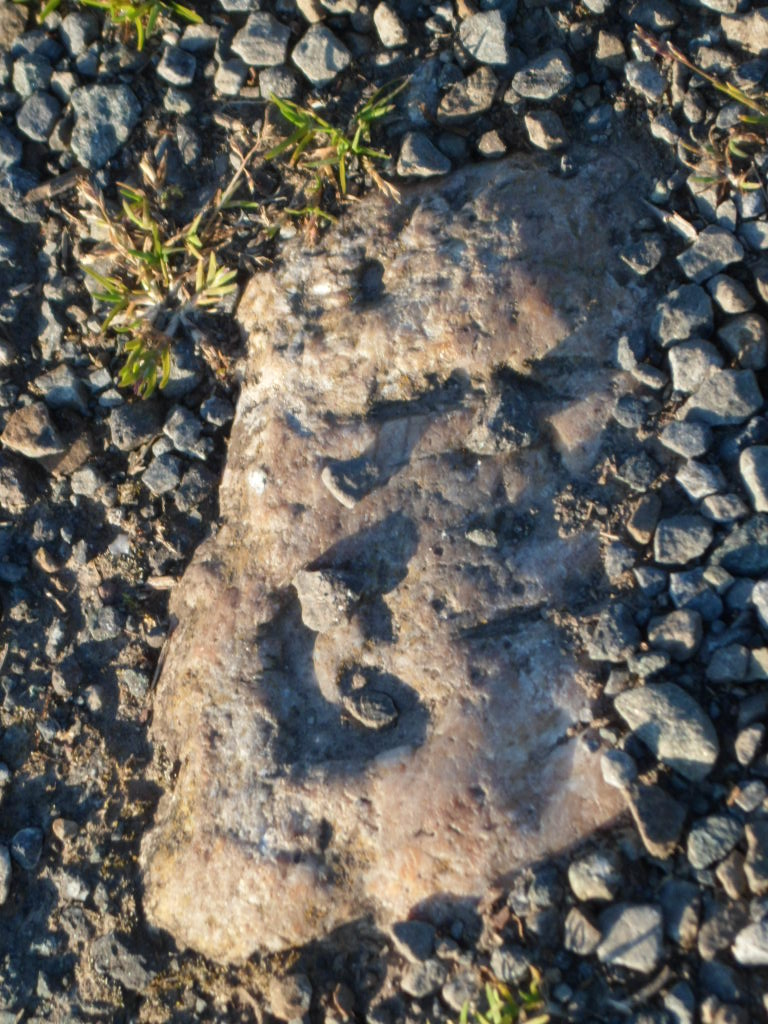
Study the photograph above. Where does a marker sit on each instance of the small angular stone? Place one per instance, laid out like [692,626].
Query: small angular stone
[580,935]
[681,905]
[659,819]
[678,633]
[713,251]
[545,130]
[687,439]
[692,363]
[389,26]
[681,539]
[465,100]
[545,77]
[644,78]
[756,864]
[750,947]
[726,398]
[595,877]
[745,337]
[319,55]
[684,313]
[30,432]
[177,66]
[263,41]
[615,635]
[753,466]
[632,937]
[483,36]
[419,157]
[711,839]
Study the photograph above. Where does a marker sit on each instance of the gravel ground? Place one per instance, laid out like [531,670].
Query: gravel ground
[103,500]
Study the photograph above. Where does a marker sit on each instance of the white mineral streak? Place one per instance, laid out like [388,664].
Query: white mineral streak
[430,375]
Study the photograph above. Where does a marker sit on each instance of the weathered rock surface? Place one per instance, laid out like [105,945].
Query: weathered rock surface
[368,689]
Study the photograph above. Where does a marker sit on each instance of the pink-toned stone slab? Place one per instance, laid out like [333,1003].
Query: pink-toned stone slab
[369,688]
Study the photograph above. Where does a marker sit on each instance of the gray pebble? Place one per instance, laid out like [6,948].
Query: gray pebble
[698,479]
[163,474]
[279,81]
[38,115]
[729,664]
[691,589]
[484,37]
[319,55]
[730,295]
[419,157]
[684,313]
[78,30]
[112,958]
[31,74]
[673,727]
[691,363]
[63,389]
[263,41]
[659,819]
[6,874]
[618,768]
[632,937]
[724,508]
[545,130]
[134,424]
[466,99]
[27,847]
[177,66]
[744,552]
[423,979]
[580,935]
[725,398]
[745,337]
[615,635]
[389,26]
[713,251]
[750,947]
[710,839]
[687,439]
[681,905]
[753,466]
[105,116]
[545,77]
[638,471]
[643,77]
[230,77]
[595,877]
[678,633]
[681,539]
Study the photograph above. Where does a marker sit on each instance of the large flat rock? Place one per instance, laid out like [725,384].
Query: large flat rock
[369,686]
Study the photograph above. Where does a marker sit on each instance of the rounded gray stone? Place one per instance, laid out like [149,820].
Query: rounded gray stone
[725,398]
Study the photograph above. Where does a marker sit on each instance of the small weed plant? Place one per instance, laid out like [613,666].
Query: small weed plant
[150,276]
[139,17]
[727,159]
[508,1007]
[318,146]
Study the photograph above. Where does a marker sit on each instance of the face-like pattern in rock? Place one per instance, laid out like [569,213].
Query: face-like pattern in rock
[369,688]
